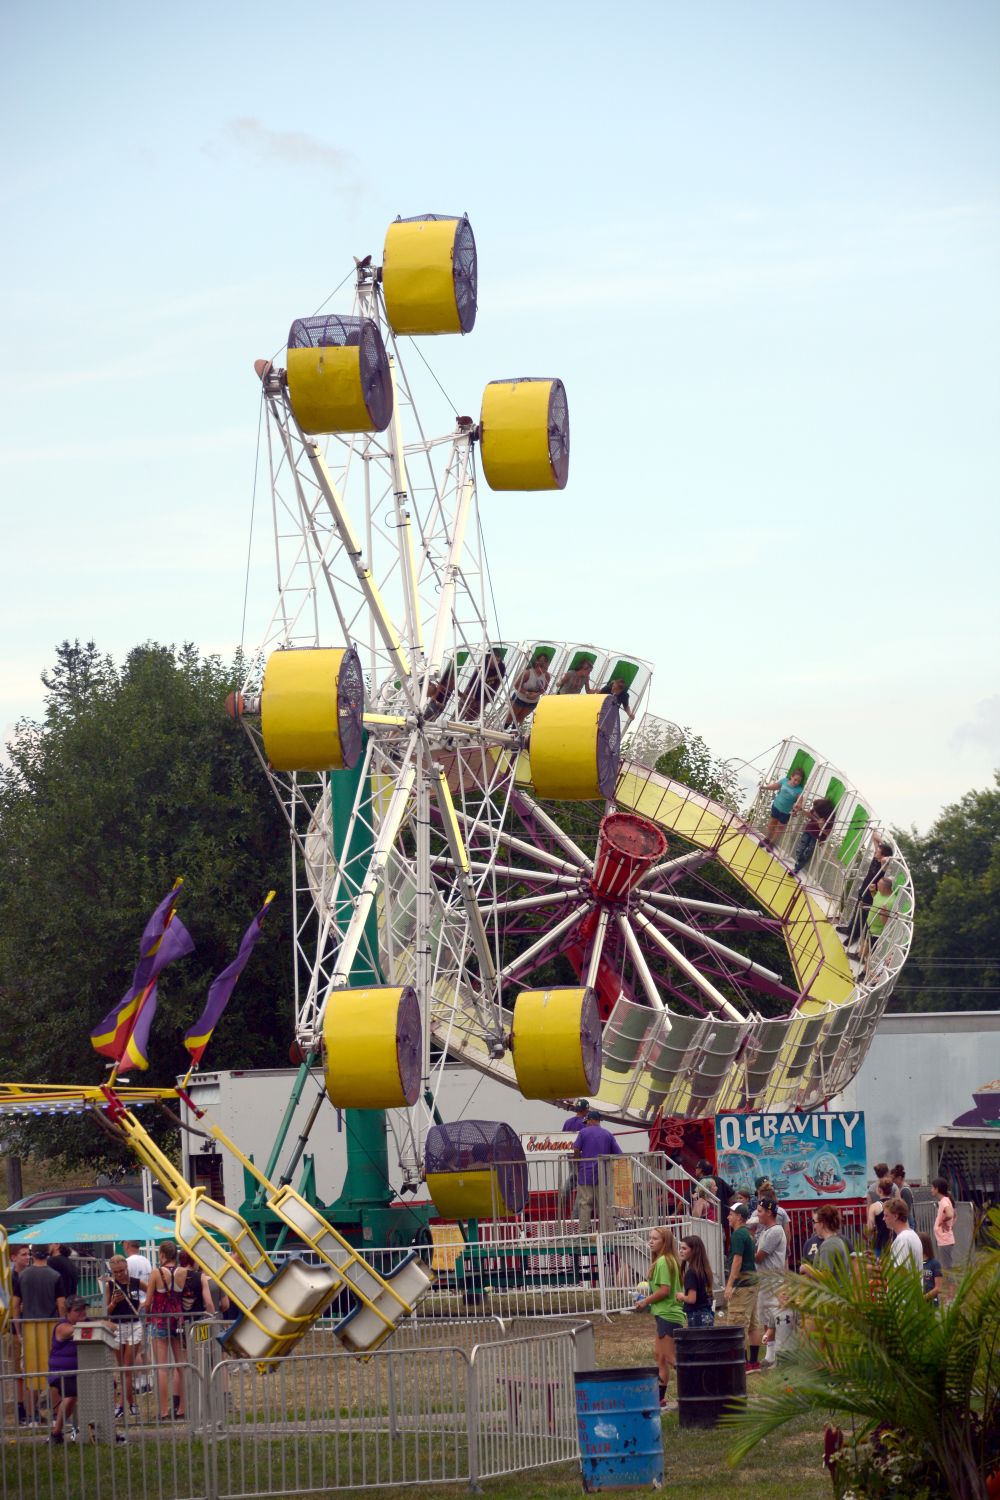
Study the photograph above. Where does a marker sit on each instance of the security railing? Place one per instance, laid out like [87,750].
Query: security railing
[437,1410]
[149,1460]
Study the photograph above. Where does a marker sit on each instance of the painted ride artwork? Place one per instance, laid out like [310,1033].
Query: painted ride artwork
[824,1174]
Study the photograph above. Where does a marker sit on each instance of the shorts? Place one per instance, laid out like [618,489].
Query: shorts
[701,1317]
[165,1328]
[742,1311]
[666,1327]
[129,1333]
[64,1384]
[520,702]
[779,817]
[946,1255]
[767,1308]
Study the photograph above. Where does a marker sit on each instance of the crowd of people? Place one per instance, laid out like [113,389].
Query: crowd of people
[759,1239]
[148,1307]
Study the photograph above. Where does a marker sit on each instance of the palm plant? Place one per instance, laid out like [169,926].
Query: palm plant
[874,1355]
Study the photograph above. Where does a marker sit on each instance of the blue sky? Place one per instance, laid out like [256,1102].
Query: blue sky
[759,243]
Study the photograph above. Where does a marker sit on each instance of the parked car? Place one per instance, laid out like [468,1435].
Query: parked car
[129,1196]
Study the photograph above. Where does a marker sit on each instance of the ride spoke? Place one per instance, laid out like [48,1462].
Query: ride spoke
[678,959]
[463,876]
[719,908]
[561,837]
[682,862]
[738,960]
[530,903]
[529,958]
[597,948]
[639,960]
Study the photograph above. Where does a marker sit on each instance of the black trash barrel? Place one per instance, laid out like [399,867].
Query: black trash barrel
[711,1373]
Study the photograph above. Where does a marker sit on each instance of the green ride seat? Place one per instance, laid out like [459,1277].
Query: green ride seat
[851,842]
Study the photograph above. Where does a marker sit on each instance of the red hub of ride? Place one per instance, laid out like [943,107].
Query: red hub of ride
[627,846]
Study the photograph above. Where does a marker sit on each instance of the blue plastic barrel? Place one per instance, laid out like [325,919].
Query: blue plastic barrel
[618,1422]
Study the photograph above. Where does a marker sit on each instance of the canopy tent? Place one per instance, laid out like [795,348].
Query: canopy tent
[94,1223]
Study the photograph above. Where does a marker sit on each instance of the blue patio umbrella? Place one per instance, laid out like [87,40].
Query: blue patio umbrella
[96,1223]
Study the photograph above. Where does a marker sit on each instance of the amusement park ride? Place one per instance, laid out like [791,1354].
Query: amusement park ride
[479,875]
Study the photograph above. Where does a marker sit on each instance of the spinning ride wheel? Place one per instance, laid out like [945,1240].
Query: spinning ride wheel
[478,874]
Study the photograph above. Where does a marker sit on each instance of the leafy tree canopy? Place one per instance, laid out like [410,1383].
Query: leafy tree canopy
[692,763]
[134,776]
[955,959]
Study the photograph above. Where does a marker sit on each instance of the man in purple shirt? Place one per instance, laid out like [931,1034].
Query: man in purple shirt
[574,1124]
[591,1144]
[578,1118]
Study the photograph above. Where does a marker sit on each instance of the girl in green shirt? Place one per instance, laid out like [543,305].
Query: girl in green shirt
[664,1284]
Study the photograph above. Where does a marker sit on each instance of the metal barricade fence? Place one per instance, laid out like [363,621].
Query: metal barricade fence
[148,1461]
[447,1404]
[853,1218]
[625,1259]
[925,1212]
[525,1404]
[324,1422]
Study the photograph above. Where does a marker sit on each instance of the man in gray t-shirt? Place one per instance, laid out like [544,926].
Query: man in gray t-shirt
[770,1253]
[40,1302]
[41,1289]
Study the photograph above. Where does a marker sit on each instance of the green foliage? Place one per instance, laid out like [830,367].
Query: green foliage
[917,1386]
[954,963]
[134,776]
[693,764]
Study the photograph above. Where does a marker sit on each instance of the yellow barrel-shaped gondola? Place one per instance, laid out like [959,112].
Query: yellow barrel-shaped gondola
[371,1048]
[429,274]
[575,747]
[524,434]
[466,1195]
[556,1042]
[338,375]
[475,1169]
[311,708]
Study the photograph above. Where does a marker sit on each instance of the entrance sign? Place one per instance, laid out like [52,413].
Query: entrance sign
[806,1156]
[549,1145]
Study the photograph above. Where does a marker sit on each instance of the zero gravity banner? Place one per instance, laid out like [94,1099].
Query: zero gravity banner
[805,1156]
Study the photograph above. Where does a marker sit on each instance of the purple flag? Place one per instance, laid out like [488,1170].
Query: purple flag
[222,986]
[164,939]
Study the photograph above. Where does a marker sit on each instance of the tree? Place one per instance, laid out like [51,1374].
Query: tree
[692,763]
[134,776]
[954,963]
[917,1385]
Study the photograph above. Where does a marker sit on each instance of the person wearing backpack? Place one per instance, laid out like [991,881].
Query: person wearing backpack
[164,1309]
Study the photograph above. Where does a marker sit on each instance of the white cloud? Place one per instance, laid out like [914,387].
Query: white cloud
[984,729]
[293,148]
